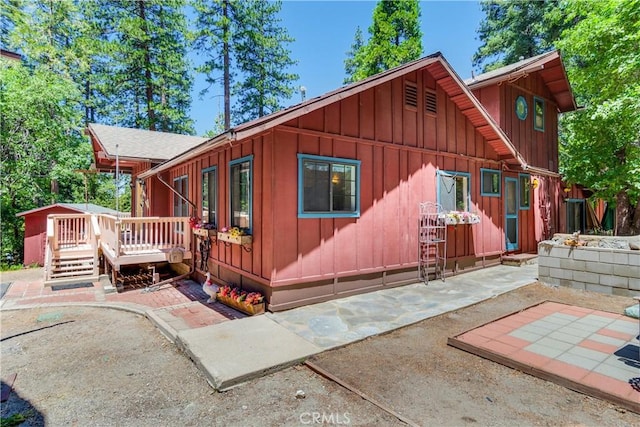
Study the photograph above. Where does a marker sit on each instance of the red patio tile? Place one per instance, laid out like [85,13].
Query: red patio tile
[500,347]
[610,315]
[566,370]
[598,346]
[530,358]
[607,384]
[576,311]
[513,341]
[615,334]
[474,339]
[492,330]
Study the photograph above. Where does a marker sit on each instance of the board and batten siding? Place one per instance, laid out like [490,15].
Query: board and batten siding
[400,149]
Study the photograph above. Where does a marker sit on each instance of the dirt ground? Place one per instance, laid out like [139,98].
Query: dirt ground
[88,366]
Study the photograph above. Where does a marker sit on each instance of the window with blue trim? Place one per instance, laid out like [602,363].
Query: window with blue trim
[454,191]
[240,191]
[328,187]
[180,206]
[210,196]
[525,191]
[490,182]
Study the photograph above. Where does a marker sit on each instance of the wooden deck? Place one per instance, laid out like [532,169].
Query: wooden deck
[75,241]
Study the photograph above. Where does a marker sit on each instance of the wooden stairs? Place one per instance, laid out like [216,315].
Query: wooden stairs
[72,266]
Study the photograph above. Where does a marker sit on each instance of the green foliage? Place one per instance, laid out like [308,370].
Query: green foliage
[244,48]
[515,30]
[601,144]
[262,61]
[395,38]
[355,58]
[146,80]
[41,145]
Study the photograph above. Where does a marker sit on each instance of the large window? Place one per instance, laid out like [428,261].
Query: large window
[538,113]
[525,190]
[490,182]
[180,206]
[454,191]
[328,187]
[240,181]
[210,196]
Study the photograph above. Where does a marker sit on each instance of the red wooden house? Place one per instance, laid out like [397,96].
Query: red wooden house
[327,191]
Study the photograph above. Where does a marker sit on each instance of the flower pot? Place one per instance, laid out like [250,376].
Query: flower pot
[237,240]
[250,309]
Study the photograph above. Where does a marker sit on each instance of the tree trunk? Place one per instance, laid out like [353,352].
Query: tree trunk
[226,34]
[623,214]
[151,115]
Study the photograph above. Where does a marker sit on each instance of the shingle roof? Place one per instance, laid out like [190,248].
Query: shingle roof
[550,68]
[507,69]
[79,207]
[141,144]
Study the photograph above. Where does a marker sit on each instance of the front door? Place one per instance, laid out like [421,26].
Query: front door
[511,213]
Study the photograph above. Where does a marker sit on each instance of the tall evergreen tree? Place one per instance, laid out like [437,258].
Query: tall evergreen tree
[262,61]
[395,38]
[245,50]
[354,56]
[514,30]
[216,22]
[149,76]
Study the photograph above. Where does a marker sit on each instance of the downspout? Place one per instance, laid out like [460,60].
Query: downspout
[175,192]
[192,269]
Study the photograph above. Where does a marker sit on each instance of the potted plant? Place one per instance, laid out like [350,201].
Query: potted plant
[247,302]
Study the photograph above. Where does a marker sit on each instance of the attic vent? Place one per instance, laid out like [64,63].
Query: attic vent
[410,95]
[430,102]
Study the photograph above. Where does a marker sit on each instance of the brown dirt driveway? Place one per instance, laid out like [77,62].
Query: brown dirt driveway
[90,366]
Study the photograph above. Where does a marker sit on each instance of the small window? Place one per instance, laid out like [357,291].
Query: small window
[490,182]
[240,181]
[210,196]
[328,187]
[180,206]
[538,114]
[454,191]
[430,105]
[525,191]
[410,95]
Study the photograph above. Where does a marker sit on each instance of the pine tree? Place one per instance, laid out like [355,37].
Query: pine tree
[216,21]
[395,38]
[354,57]
[148,73]
[262,60]
[512,31]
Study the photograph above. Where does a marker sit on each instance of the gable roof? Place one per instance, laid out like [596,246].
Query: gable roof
[139,144]
[548,65]
[442,72]
[89,208]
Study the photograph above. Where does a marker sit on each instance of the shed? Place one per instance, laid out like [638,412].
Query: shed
[35,226]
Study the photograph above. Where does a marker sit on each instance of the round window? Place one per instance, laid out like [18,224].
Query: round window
[521,107]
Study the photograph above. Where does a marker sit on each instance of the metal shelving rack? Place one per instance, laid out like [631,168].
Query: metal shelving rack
[432,241]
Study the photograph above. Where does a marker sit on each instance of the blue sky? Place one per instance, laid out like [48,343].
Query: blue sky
[324,31]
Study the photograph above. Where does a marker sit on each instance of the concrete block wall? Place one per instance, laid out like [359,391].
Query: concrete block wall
[609,271]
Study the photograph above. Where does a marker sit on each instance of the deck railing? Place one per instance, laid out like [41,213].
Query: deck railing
[144,234]
[70,231]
